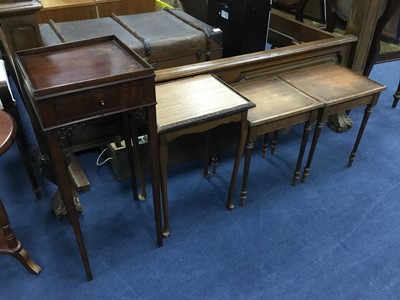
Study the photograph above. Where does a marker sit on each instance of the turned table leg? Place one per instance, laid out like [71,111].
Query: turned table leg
[11,246]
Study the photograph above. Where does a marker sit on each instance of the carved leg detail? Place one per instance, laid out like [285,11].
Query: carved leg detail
[59,206]
[11,246]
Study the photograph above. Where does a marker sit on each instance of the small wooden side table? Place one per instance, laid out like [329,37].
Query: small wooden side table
[340,89]
[193,105]
[278,105]
[77,82]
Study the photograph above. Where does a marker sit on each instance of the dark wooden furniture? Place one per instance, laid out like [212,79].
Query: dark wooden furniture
[8,243]
[339,89]
[396,96]
[73,83]
[278,105]
[193,105]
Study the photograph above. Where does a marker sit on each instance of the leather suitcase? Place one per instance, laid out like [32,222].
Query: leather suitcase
[166,38]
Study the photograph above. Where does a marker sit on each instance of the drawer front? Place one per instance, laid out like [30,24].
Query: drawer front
[100,103]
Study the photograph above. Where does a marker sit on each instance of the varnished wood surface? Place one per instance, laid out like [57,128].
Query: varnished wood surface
[195,99]
[63,68]
[230,69]
[124,7]
[8,131]
[332,83]
[275,99]
[65,3]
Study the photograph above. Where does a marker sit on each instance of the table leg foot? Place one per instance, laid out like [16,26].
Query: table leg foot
[351,159]
[305,175]
[214,164]
[296,178]
[243,196]
[166,233]
[24,258]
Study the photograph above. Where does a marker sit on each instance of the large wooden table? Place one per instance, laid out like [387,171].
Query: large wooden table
[69,84]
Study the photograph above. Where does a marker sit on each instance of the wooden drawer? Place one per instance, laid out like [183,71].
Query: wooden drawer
[99,103]
[57,111]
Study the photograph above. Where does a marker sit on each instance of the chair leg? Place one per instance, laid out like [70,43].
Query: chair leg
[11,246]
[396,96]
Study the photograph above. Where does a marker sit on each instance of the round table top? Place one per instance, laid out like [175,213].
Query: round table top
[8,130]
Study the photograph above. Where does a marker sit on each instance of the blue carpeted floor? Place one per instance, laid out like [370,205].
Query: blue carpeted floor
[335,237]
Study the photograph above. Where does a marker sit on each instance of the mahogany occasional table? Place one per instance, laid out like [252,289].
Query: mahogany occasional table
[77,82]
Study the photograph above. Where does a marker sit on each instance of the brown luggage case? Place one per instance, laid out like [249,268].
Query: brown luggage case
[166,38]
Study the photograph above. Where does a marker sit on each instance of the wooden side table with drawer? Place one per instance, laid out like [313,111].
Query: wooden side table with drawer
[340,89]
[73,83]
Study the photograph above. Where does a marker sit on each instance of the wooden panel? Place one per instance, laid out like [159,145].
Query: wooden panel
[124,7]
[66,10]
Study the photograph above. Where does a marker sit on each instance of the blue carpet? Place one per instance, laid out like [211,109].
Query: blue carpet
[335,237]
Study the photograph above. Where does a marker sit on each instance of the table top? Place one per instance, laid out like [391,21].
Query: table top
[70,66]
[8,130]
[275,99]
[195,100]
[332,83]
